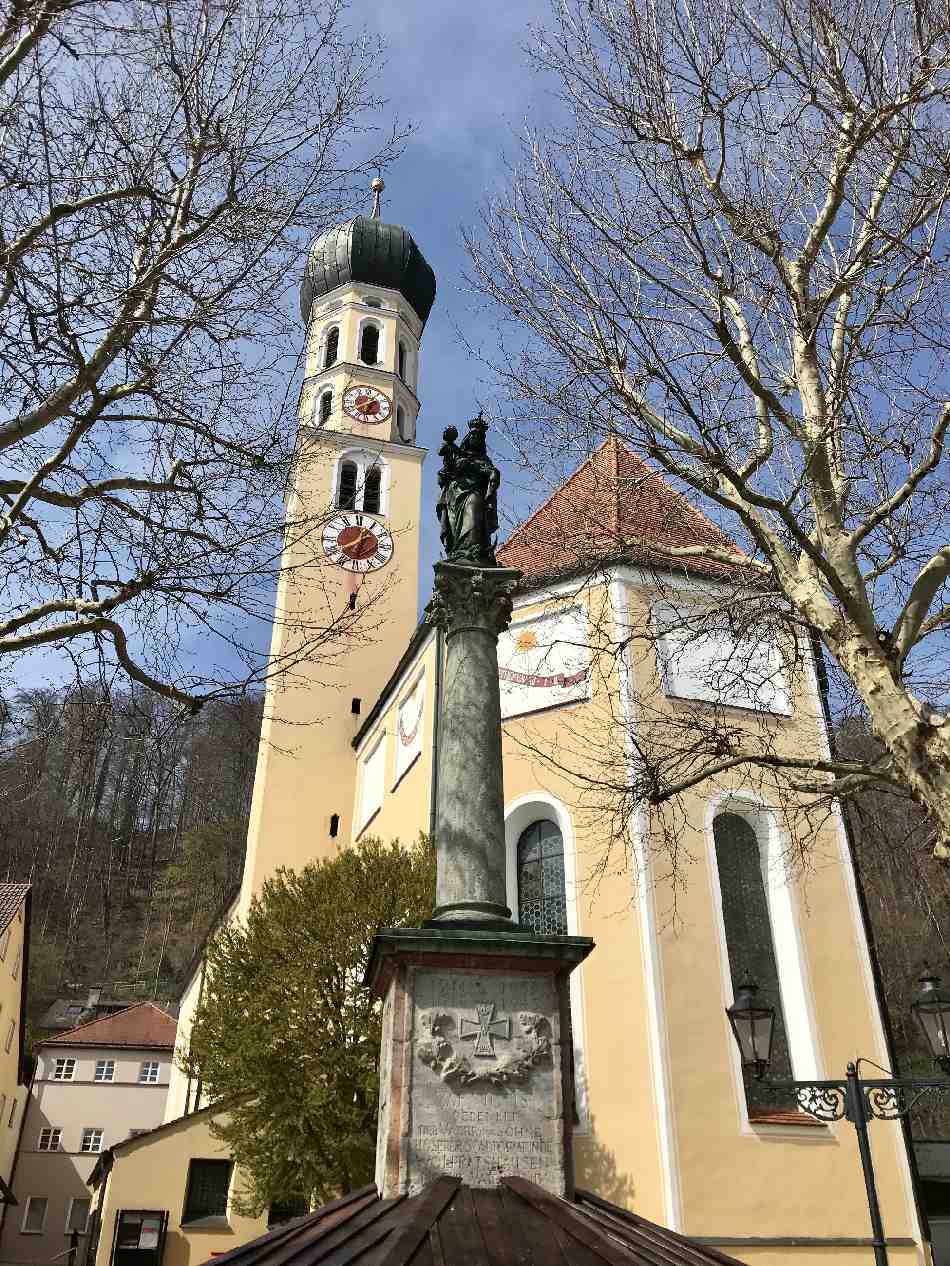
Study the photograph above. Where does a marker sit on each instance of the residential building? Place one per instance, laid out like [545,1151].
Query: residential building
[94,1086]
[666,1124]
[14,970]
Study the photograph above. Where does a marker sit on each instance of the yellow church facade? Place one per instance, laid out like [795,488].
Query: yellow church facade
[665,1121]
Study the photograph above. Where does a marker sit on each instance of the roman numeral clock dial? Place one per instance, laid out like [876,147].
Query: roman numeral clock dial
[357,542]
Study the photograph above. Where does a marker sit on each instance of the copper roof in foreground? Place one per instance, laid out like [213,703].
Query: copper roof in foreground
[448,1224]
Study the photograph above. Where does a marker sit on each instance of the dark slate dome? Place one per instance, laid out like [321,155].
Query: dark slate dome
[367,250]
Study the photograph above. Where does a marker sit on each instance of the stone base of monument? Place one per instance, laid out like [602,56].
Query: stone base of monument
[477,1068]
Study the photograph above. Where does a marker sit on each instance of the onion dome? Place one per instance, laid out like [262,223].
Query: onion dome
[366,250]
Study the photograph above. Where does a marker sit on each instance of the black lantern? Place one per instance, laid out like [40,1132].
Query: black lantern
[932,1009]
[753,1024]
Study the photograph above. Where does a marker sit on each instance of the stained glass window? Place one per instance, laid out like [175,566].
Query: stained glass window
[542,901]
[751,949]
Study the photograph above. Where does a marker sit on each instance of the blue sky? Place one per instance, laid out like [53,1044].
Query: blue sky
[458,75]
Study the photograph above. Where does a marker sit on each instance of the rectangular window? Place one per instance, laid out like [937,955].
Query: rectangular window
[713,656]
[207,1194]
[34,1215]
[64,1070]
[105,1070]
[77,1219]
[9,1038]
[5,943]
[12,1115]
[374,771]
[149,1071]
[16,963]
[91,1139]
[50,1139]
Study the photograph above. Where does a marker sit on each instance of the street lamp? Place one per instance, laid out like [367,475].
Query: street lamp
[931,1008]
[753,1026]
[859,1099]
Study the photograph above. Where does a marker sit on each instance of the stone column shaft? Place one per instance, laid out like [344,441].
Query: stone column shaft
[473,605]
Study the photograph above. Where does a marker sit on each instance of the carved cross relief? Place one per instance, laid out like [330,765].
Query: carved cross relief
[485,1029]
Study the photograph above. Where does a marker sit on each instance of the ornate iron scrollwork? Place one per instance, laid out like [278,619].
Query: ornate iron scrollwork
[826,1103]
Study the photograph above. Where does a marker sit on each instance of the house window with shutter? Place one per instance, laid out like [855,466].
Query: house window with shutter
[207,1193]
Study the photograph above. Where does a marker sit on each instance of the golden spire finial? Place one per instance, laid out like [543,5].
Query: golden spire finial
[377,186]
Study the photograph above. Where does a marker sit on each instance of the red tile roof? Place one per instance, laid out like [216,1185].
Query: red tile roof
[141,1026]
[12,897]
[614,505]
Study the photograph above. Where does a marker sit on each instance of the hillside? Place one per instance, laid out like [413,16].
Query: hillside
[130,824]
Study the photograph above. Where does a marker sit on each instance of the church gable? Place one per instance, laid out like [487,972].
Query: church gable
[613,506]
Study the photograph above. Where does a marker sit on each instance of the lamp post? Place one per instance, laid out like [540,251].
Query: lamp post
[856,1098]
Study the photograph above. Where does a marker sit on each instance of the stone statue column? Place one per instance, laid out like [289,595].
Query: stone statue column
[472,605]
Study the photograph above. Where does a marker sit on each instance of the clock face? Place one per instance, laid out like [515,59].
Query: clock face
[357,542]
[367,404]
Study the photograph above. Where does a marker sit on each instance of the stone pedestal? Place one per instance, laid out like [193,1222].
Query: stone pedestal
[472,605]
[477,1068]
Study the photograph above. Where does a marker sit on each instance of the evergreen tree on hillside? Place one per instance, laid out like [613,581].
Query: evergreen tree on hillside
[286,1033]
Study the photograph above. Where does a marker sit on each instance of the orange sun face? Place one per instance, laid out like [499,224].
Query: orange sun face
[527,640]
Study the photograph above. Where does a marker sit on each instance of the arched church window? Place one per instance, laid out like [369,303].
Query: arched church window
[750,944]
[402,361]
[369,345]
[332,349]
[542,899]
[371,302]
[326,406]
[372,490]
[346,493]
[400,421]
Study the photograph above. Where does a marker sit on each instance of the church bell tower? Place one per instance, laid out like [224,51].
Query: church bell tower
[365,297]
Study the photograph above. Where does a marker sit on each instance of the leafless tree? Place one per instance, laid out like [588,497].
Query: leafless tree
[733,253]
[163,165]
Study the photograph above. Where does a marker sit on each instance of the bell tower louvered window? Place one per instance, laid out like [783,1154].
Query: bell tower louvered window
[369,345]
[371,490]
[542,900]
[346,495]
[332,350]
[750,944]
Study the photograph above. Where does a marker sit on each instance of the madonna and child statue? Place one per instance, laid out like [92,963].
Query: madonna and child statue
[468,497]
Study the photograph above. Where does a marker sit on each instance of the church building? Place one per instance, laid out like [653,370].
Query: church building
[666,1123]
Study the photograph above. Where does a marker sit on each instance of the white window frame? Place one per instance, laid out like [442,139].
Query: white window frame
[148,1080]
[107,1066]
[26,1213]
[794,984]
[519,815]
[57,1143]
[91,1131]
[16,963]
[13,1106]
[68,1069]
[363,459]
[376,750]
[9,1039]
[69,1214]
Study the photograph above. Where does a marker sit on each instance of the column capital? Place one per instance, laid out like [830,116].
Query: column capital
[472,598]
